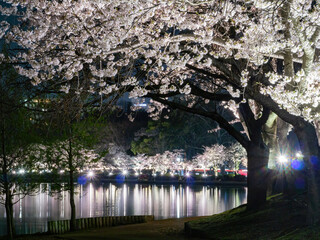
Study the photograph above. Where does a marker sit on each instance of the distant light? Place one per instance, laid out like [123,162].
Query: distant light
[172,174]
[136,174]
[13,172]
[21,171]
[125,172]
[154,174]
[299,155]
[90,174]
[188,174]
[282,159]
[204,175]
[140,105]
[161,173]
[110,173]
[61,171]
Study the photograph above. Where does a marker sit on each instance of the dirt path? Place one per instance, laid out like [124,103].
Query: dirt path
[169,229]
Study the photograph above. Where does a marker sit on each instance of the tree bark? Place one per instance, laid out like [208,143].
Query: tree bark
[308,140]
[258,156]
[8,201]
[71,189]
[9,214]
[317,126]
[72,204]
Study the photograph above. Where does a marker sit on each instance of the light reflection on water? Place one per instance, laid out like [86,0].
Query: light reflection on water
[163,201]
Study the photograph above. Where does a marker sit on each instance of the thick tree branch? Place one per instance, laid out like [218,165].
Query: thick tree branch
[213,115]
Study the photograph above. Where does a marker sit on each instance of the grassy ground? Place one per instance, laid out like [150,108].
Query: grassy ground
[169,229]
[282,218]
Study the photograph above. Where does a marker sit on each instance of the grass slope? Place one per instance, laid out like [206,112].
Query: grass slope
[281,218]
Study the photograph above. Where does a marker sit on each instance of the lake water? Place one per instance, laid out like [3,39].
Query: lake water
[163,201]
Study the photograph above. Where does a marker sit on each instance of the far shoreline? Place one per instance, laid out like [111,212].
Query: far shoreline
[168,182]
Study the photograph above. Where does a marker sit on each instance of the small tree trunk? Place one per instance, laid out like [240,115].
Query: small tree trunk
[257,175]
[9,213]
[72,204]
[71,188]
[6,187]
[11,218]
[309,146]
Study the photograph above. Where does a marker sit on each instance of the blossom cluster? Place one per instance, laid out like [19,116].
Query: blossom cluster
[117,40]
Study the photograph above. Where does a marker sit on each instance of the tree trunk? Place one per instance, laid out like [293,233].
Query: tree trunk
[72,204]
[71,188]
[317,126]
[307,136]
[257,175]
[8,201]
[9,213]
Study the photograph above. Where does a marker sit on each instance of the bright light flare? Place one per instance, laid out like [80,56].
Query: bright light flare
[282,159]
[21,171]
[299,155]
[125,172]
[137,174]
[110,173]
[204,175]
[187,174]
[90,174]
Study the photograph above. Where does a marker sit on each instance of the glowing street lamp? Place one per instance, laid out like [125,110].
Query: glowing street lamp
[90,174]
[282,159]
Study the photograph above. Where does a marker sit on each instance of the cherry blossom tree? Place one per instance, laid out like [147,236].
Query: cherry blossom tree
[172,160]
[118,158]
[162,162]
[240,46]
[235,156]
[133,39]
[214,156]
[139,162]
